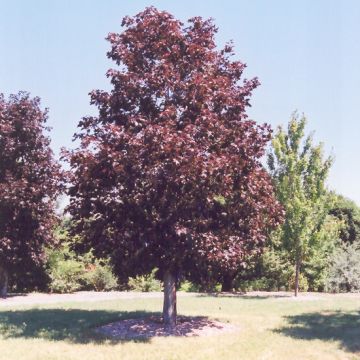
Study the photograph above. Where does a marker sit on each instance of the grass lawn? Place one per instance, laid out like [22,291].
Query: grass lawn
[314,327]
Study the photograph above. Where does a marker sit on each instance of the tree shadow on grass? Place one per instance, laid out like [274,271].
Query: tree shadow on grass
[12,295]
[73,325]
[328,326]
[242,295]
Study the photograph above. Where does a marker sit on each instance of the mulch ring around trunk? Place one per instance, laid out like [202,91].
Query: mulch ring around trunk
[153,326]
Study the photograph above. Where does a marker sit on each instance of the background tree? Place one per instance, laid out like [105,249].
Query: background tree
[299,171]
[346,211]
[344,271]
[168,174]
[29,185]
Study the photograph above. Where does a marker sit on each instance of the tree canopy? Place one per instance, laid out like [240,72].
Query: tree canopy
[169,173]
[348,213]
[299,172]
[29,183]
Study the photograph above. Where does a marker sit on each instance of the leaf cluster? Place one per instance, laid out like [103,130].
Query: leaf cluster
[168,174]
[299,172]
[30,181]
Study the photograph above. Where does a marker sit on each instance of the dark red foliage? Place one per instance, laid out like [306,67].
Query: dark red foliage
[29,181]
[169,174]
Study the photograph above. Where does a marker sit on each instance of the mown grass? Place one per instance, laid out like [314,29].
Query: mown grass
[326,327]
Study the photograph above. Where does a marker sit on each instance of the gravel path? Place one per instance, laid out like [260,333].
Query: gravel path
[81,296]
[90,296]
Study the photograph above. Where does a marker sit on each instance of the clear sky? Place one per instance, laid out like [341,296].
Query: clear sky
[305,53]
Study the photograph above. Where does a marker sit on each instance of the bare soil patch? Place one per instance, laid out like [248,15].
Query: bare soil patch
[144,328]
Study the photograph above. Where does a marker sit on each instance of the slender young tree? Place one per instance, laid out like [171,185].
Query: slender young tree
[168,175]
[29,185]
[299,172]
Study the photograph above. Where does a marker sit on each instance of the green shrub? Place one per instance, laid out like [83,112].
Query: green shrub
[272,272]
[303,282]
[189,286]
[145,283]
[64,270]
[69,272]
[265,284]
[100,277]
[261,284]
[66,276]
[344,272]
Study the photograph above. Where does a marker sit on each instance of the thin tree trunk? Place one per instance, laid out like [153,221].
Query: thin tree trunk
[169,309]
[227,282]
[297,274]
[3,282]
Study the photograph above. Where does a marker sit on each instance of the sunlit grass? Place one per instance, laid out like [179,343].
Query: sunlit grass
[324,327]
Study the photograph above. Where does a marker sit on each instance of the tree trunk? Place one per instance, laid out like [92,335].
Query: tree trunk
[169,309]
[3,282]
[227,283]
[297,274]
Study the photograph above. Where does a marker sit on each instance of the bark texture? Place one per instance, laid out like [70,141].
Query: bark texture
[169,309]
[297,274]
[3,282]
[227,283]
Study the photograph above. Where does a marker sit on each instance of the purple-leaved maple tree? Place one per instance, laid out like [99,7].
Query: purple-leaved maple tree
[168,175]
[29,185]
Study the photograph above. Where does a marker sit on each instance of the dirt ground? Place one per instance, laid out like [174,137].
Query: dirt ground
[153,327]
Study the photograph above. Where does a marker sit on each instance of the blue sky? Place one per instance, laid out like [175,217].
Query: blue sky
[305,53]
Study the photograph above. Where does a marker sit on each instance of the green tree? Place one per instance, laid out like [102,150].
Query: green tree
[316,265]
[299,172]
[344,271]
[347,212]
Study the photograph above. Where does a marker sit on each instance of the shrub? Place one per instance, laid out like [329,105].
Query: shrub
[69,272]
[261,284]
[303,282]
[100,277]
[66,276]
[272,272]
[189,286]
[344,272]
[145,283]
